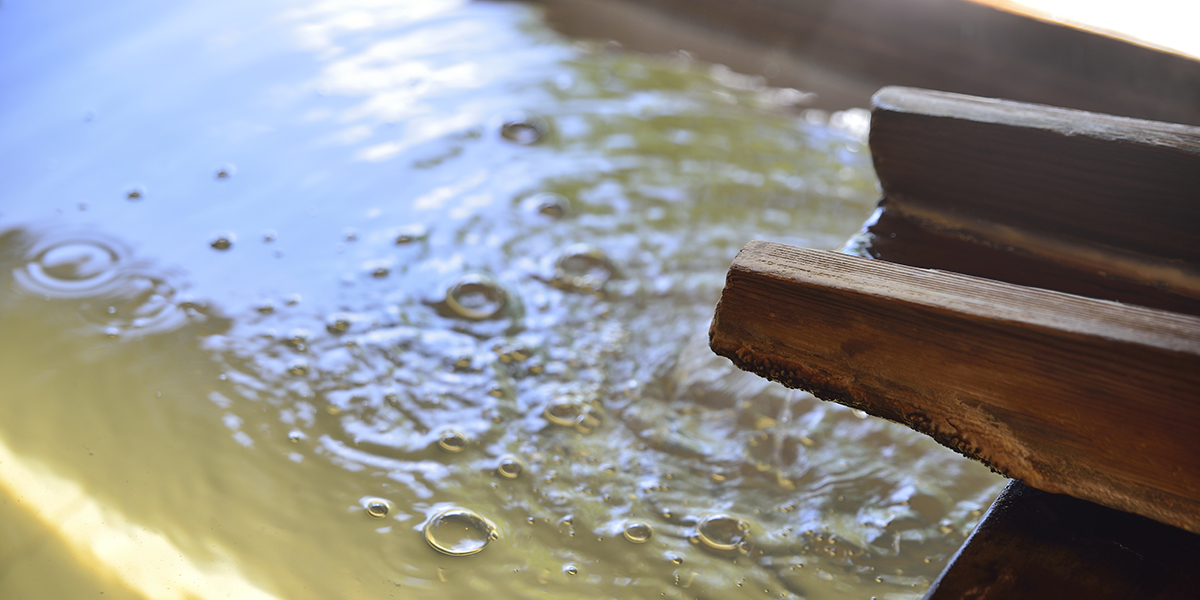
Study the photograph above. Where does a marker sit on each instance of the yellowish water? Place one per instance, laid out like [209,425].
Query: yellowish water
[408,299]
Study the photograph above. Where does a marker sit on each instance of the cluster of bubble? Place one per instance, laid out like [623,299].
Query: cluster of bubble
[440,385]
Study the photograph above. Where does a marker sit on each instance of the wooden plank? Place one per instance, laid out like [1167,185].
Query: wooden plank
[1072,395]
[1038,546]
[846,49]
[1095,192]
[900,238]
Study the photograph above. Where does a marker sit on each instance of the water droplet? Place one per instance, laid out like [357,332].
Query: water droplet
[571,570]
[409,234]
[721,532]
[525,129]
[638,532]
[476,297]
[860,414]
[338,323]
[452,441]
[298,338]
[376,507]
[135,193]
[572,412]
[225,172]
[459,532]
[549,204]
[510,467]
[222,240]
[582,267]
[565,412]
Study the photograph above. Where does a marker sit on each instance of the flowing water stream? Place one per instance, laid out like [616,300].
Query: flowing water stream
[408,299]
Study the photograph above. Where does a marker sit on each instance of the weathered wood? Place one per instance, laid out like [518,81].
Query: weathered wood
[900,238]
[846,49]
[1038,546]
[1095,193]
[1072,395]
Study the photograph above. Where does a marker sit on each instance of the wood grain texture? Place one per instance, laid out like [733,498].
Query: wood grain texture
[1097,192]
[1072,395]
[952,45]
[897,237]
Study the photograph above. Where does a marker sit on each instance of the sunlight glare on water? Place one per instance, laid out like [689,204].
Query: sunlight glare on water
[440,332]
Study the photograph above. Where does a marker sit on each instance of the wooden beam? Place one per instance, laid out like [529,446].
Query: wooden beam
[897,237]
[1073,395]
[1098,192]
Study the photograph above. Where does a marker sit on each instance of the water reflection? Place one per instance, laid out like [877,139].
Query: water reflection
[436,318]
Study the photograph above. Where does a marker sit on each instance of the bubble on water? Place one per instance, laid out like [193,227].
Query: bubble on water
[380,272]
[570,411]
[510,467]
[476,297]
[376,507]
[409,234]
[269,236]
[298,339]
[222,240]
[859,413]
[582,267]
[525,129]
[638,532]
[338,323]
[452,441]
[224,171]
[549,204]
[350,234]
[721,532]
[571,570]
[295,435]
[298,367]
[292,300]
[265,307]
[135,193]
[459,532]
[565,412]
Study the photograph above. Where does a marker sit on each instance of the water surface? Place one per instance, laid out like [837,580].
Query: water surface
[408,299]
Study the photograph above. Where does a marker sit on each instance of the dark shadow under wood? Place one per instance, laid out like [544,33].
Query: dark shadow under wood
[1039,546]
